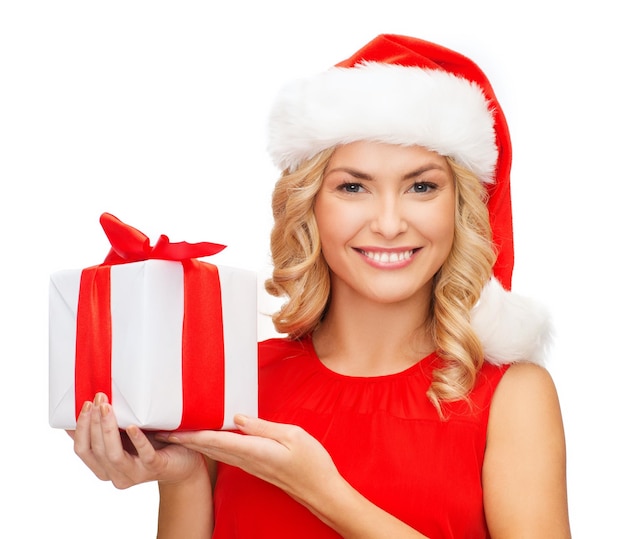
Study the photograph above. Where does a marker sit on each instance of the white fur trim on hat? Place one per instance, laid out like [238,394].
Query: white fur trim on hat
[385,103]
[511,327]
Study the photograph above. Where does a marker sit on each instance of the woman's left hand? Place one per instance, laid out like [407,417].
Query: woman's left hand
[284,455]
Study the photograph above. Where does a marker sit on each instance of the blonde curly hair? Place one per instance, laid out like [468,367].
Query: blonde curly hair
[457,288]
[302,276]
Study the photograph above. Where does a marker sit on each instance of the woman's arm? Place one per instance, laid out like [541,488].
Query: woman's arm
[185,508]
[290,458]
[524,475]
[351,515]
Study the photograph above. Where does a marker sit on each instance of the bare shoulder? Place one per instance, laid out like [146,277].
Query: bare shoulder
[530,372]
[524,473]
[525,414]
[525,385]
[525,409]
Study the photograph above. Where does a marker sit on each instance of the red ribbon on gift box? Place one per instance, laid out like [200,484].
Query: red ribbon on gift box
[202,341]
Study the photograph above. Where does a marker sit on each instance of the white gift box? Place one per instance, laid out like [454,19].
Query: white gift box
[147,311]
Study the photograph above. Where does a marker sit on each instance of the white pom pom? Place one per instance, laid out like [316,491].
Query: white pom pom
[512,328]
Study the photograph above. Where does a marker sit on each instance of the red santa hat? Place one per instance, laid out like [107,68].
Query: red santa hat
[403,90]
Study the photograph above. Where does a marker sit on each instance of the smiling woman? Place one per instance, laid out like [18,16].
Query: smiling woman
[388,409]
[385,216]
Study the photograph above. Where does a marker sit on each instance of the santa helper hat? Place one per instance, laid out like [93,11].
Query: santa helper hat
[403,90]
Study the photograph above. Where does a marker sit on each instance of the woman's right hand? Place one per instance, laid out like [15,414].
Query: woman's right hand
[129,458]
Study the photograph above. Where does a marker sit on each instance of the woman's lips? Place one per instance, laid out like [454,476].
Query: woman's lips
[388,258]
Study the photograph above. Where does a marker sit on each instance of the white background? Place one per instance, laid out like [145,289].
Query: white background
[155,112]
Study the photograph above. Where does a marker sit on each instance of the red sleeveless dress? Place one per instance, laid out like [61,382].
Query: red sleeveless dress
[385,438]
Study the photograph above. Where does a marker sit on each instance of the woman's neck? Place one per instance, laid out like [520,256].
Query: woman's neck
[362,338]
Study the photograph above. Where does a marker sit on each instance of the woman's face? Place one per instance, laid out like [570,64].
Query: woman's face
[385,214]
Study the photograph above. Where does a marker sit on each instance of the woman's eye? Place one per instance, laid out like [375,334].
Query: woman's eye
[351,187]
[422,187]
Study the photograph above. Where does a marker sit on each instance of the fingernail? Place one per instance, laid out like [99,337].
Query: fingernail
[241,420]
[86,407]
[105,409]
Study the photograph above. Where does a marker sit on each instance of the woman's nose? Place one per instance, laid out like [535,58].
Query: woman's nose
[388,219]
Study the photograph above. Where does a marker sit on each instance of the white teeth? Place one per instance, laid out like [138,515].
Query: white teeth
[385,257]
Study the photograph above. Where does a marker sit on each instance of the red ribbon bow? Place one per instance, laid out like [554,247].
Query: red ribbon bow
[130,245]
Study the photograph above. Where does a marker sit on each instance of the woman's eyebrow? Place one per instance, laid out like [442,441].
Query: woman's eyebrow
[357,174]
[360,175]
[418,172]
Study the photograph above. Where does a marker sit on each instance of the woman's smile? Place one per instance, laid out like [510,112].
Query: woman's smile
[387,258]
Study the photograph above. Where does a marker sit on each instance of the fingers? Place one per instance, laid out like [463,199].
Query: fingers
[284,455]
[219,446]
[98,442]
[255,426]
[286,435]
[106,441]
[95,425]
[210,443]
[127,458]
[83,441]
[122,468]
[264,441]
[145,450]
[206,440]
